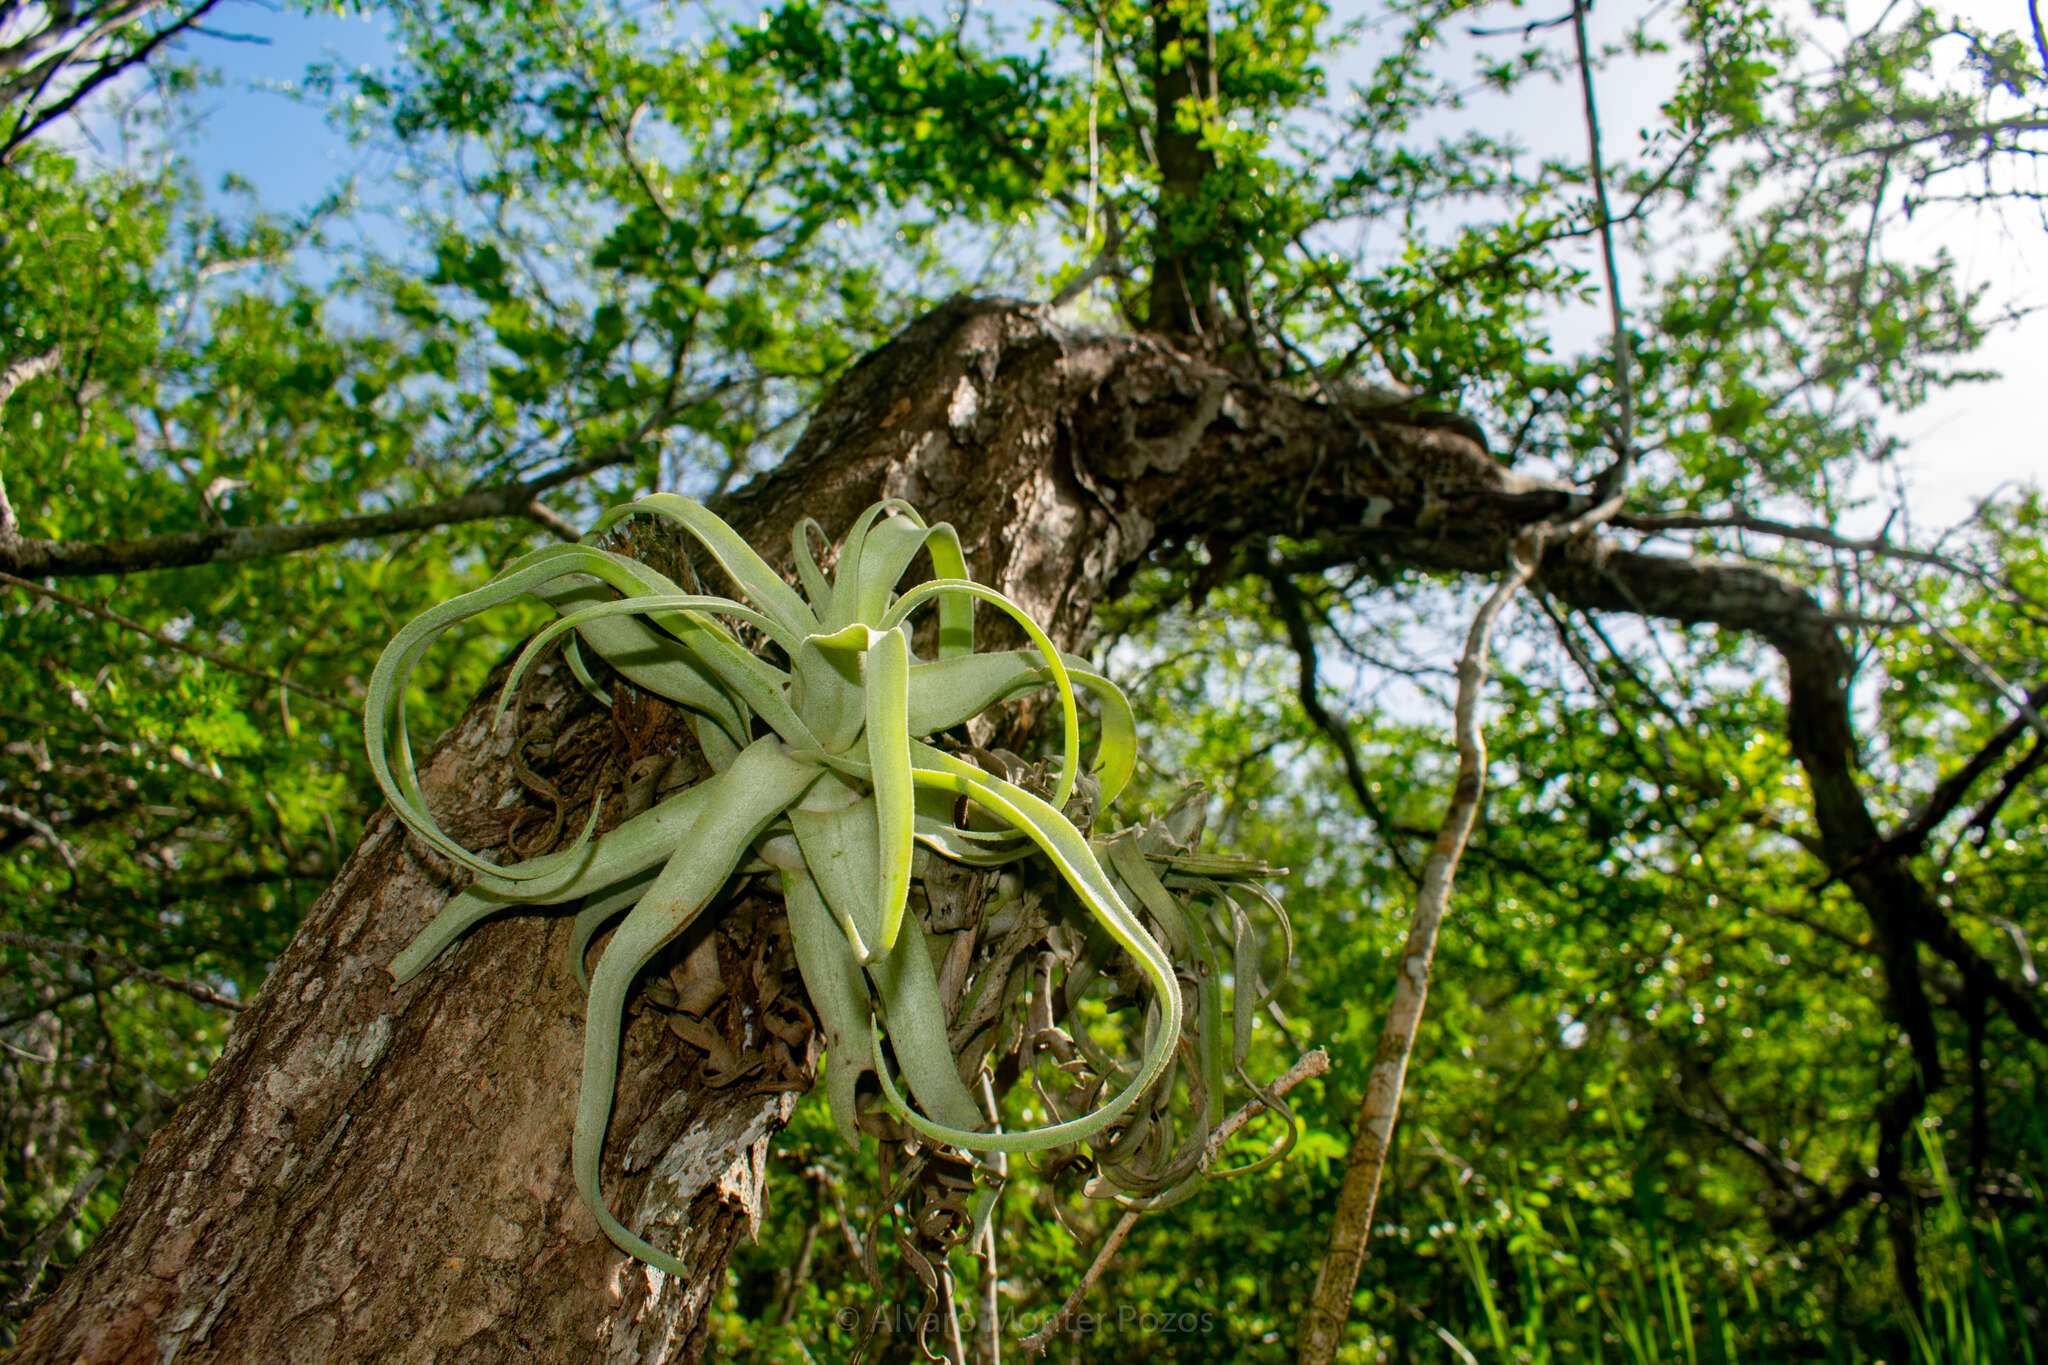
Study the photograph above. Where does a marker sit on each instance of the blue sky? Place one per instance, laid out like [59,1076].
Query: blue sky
[253,124]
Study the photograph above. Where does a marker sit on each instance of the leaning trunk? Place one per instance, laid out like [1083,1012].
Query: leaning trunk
[380,1173]
[373,1172]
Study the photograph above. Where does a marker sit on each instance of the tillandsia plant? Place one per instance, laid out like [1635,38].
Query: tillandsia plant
[831,771]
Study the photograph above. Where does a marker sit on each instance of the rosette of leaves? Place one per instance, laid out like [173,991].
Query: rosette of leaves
[827,774]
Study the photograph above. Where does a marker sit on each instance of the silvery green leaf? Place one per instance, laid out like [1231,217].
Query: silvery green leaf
[838,993]
[742,802]
[888,749]
[915,1019]
[746,568]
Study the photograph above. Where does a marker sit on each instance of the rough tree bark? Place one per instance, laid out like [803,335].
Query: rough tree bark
[375,1173]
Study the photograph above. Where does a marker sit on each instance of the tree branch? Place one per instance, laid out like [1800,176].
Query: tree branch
[234,545]
[1289,607]
[33,120]
[1817,535]
[1991,129]
[91,956]
[1182,294]
[1909,838]
[29,821]
[126,623]
[12,378]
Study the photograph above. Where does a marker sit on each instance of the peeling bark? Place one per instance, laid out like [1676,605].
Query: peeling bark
[382,1173]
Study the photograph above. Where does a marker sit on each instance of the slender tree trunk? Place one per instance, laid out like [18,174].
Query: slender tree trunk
[1372,1131]
[1183,288]
[373,1173]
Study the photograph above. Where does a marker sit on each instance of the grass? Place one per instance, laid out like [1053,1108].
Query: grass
[1535,1286]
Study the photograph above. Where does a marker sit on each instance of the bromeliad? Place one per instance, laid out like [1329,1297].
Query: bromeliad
[825,772]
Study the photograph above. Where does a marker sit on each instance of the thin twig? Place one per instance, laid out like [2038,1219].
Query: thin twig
[91,956]
[32,120]
[988,1332]
[554,521]
[1287,603]
[1103,262]
[29,821]
[1913,833]
[80,604]
[1312,1064]
[1973,662]
[1814,535]
[1612,486]
[1959,133]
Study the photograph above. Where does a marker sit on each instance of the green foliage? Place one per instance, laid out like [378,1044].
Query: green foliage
[199,809]
[632,244]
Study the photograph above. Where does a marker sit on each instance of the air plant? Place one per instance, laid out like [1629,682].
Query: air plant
[828,772]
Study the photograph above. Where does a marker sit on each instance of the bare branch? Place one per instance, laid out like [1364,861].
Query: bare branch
[1288,605]
[1981,819]
[1968,130]
[29,821]
[1330,1306]
[1910,837]
[1975,664]
[1816,535]
[235,545]
[541,513]
[127,623]
[1104,262]
[91,956]
[34,117]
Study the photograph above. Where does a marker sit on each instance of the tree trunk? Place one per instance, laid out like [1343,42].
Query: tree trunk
[1183,289]
[381,1173]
